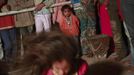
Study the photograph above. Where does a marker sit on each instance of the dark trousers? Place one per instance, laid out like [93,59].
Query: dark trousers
[8,37]
[127,7]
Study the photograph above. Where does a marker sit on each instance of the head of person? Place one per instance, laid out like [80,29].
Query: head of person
[66,10]
[51,50]
[106,68]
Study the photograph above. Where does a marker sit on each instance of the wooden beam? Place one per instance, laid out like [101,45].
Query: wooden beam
[31,9]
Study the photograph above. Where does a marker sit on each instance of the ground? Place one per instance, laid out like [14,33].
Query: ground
[126,62]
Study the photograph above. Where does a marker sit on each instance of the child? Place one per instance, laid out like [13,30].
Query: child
[43,15]
[56,53]
[69,23]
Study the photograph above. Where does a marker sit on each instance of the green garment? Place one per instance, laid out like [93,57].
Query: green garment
[86,21]
[46,8]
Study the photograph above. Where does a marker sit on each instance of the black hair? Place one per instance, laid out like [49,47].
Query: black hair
[66,7]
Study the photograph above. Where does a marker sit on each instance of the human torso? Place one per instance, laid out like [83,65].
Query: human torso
[44,10]
[6,22]
[70,26]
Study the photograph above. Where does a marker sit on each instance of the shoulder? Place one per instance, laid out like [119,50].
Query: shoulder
[75,17]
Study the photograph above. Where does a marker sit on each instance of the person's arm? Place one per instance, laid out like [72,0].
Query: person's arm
[45,3]
[48,3]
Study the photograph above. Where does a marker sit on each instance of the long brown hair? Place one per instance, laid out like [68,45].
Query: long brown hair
[46,48]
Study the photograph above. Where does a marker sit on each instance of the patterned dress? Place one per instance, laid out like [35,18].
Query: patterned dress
[120,46]
[87,22]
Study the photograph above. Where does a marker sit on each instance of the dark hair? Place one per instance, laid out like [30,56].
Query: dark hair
[106,68]
[66,7]
[46,48]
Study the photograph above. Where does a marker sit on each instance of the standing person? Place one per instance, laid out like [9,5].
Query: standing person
[1,51]
[7,33]
[43,15]
[23,21]
[85,13]
[69,23]
[120,48]
[127,7]
[56,53]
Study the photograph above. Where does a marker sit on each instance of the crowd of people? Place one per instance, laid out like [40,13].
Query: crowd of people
[59,51]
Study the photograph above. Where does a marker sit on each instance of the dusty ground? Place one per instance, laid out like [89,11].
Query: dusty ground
[126,62]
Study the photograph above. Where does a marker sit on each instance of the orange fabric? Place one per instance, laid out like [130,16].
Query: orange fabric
[6,21]
[72,29]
